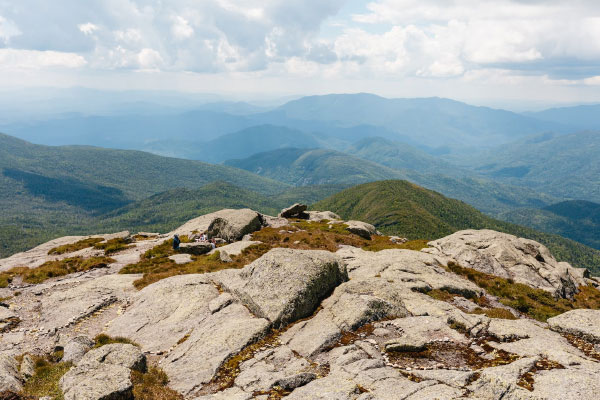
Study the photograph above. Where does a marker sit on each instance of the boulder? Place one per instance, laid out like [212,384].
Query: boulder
[181,258]
[285,285]
[509,257]
[215,339]
[582,323]
[323,215]
[10,378]
[164,312]
[234,225]
[195,248]
[76,348]
[27,368]
[361,229]
[295,211]
[8,319]
[103,373]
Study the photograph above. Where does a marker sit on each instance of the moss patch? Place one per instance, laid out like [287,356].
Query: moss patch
[71,247]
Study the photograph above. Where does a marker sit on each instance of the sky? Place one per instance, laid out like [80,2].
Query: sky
[494,51]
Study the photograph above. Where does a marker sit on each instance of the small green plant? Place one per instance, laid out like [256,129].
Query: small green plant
[113,246]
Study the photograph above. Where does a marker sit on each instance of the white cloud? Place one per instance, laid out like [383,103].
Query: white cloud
[87,28]
[34,59]
[8,29]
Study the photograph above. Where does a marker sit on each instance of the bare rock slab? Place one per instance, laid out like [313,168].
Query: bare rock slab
[10,378]
[64,307]
[285,285]
[582,323]
[164,312]
[216,338]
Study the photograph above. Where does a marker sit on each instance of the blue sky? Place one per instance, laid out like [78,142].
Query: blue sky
[486,51]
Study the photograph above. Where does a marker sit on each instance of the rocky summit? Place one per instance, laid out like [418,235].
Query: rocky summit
[302,306]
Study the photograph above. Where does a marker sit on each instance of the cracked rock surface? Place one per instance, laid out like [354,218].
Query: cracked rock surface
[309,324]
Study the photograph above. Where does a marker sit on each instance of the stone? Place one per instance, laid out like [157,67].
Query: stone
[361,229]
[76,348]
[406,344]
[181,258]
[213,340]
[104,381]
[8,319]
[233,393]
[164,312]
[285,285]
[279,367]
[295,211]
[122,354]
[235,224]
[27,368]
[582,323]
[319,216]
[220,302]
[103,373]
[576,383]
[522,260]
[10,378]
[195,248]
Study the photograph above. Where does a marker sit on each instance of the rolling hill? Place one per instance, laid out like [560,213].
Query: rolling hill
[403,208]
[567,166]
[45,191]
[577,219]
[583,116]
[301,167]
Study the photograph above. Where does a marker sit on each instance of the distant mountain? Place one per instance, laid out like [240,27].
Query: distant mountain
[136,131]
[300,167]
[565,166]
[585,117]
[402,208]
[578,220]
[434,122]
[250,141]
[402,156]
[44,189]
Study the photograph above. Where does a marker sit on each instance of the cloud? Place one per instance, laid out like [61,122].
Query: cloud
[8,29]
[471,42]
[34,59]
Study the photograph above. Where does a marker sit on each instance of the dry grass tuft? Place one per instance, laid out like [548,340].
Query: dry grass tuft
[52,269]
[71,247]
[535,303]
[152,385]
